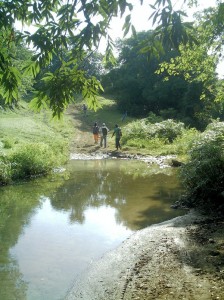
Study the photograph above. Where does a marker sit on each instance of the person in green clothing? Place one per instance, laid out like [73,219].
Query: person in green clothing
[118,134]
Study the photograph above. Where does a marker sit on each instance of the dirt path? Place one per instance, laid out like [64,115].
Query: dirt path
[179,259]
[83,139]
[83,147]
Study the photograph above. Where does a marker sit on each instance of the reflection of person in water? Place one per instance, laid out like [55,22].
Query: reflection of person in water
[96,133]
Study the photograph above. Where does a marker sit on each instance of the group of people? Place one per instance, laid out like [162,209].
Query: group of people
[102,132]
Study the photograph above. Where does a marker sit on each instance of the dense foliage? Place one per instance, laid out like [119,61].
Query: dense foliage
[139,90]
[81,24]
[30,160]
[203,175]
[159,137]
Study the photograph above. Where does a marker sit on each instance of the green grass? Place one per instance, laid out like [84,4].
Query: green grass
[107,113]
[18,128]
[32,144]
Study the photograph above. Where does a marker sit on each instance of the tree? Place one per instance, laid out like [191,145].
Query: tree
[196,66]
[59,24]
[83,23]
[20,57]
[140,90]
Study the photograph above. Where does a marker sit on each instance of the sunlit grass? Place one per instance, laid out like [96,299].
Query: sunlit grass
[107,113]
[23,134]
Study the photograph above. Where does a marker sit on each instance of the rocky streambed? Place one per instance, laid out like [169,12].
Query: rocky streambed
[162,161]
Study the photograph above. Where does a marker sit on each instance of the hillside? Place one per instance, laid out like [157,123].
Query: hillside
[83,139]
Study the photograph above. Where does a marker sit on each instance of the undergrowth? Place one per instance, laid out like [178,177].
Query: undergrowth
[161,138]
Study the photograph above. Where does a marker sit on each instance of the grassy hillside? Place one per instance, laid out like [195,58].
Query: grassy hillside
[22,126]
[106,113]
[31,144]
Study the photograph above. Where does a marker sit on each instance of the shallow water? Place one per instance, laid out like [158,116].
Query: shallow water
[51,229]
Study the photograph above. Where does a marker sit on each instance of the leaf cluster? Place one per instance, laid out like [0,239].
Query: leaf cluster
[58,25]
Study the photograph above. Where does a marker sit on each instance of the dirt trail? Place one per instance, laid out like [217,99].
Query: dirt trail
[179,259]
[83,138]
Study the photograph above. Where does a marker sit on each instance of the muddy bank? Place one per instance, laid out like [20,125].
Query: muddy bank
[179,259]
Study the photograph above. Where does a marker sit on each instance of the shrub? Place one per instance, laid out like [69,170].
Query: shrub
[135,130]
[183,143]
[8,143]
[203,176]
[166,130]
[32,159]
[153,118]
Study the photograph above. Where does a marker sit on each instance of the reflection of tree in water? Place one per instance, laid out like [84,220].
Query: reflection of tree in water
[105,183]
[12,285]
[16,207]
[18,203]
[90,188]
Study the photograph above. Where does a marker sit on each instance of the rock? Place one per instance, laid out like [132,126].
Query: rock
[211,241]
[214,253]
[176,163]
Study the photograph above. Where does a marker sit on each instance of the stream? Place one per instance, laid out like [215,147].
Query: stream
[53,228]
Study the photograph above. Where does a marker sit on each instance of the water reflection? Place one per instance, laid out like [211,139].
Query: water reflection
[139,199]
[52,228]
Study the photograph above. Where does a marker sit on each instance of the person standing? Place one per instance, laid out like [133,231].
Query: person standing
[84,109]
[124,116]
[96,132]
[103,138]
[118,134]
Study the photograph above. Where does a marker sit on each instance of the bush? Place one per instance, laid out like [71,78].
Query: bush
[8,143]
[32,159]
[203,176]
[153,118]
[183,143]
[166,130]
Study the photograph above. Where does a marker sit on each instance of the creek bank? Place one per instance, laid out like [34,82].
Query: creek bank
[178,259]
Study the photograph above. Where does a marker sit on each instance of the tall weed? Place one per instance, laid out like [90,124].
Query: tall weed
[5,170]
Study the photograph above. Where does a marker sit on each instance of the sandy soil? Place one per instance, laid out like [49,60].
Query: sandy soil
[179,259]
